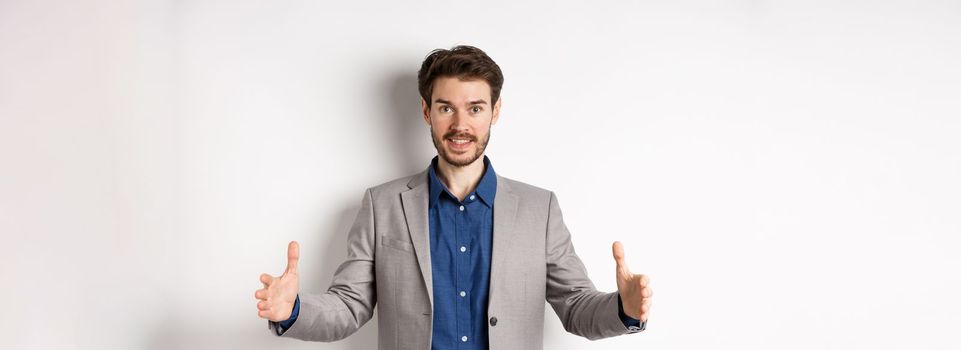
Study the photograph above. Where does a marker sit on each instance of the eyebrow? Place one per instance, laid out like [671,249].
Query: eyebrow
[475,102]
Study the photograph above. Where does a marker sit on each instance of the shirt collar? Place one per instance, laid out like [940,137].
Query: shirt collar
[486,188]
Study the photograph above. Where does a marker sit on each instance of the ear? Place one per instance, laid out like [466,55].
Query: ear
[497,111]
[426,110]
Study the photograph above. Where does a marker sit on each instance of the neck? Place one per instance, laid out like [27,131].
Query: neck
[460,180]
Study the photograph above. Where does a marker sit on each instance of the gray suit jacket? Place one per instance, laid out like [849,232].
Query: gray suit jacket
[388,265]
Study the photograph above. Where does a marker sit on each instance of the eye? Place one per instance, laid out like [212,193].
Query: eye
[476,109]
[445,109]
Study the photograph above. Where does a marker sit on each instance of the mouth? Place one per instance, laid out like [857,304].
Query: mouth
[458,143]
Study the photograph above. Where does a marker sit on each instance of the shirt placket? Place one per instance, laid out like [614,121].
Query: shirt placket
[462,284]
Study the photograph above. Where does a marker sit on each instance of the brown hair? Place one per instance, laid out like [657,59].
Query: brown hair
[463,62]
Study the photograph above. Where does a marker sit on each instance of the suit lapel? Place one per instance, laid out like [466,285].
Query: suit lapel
[414,201]
[505,208]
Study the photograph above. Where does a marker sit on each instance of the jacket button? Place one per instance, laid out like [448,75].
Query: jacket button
[493,321]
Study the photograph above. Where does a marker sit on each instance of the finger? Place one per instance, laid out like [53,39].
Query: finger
[263,305]
[618,250]
[647,292]
[642,315]
[266,279]
[641,280]
[262,313]
[261,294]
[293,254]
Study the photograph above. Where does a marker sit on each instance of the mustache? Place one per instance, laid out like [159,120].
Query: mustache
[454,134]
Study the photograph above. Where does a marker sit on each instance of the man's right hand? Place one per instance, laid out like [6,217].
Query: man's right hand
[276,300]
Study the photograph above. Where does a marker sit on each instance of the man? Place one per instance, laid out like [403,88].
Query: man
[457,256]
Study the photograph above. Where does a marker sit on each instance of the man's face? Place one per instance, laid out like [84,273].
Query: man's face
[460,118]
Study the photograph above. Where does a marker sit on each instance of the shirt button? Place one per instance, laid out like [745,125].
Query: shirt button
[462,208]
[472,197]
[463,293]
[493,321]
[463,339]
[463,249]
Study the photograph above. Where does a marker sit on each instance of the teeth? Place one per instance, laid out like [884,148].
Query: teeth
[460,142]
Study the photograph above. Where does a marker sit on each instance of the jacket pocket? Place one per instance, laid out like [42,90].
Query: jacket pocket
[395,243]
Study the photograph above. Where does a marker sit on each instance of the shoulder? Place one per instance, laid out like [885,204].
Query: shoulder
[524,191]
[392,188]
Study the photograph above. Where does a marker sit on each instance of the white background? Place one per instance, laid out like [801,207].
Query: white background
[786,172]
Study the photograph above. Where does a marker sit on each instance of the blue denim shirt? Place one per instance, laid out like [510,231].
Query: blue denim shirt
[461,234]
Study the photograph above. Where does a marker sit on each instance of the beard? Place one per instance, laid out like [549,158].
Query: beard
[441,146]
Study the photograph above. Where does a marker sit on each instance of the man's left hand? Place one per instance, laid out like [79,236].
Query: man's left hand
[635,292]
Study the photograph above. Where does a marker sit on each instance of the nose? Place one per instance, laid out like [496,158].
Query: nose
[459,122]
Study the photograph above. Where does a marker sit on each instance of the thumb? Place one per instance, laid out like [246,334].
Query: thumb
[293,254]
[618,250]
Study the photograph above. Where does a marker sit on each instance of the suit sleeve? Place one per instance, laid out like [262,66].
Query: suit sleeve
[582,309]
[349,301]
